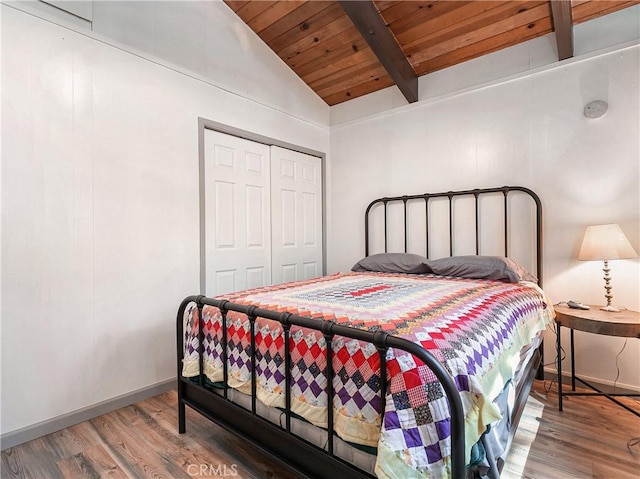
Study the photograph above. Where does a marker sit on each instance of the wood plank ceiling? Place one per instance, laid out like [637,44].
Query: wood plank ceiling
[346,49]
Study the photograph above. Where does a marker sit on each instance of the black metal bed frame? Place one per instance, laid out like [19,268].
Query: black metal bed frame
[280,443]
[476,193]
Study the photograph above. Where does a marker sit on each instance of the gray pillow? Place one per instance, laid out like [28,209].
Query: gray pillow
[480,267]
[393,263]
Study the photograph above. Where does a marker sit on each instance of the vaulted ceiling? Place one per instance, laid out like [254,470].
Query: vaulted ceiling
[346,49]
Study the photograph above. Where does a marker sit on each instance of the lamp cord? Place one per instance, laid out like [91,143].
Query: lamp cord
[548,387]
[617,365]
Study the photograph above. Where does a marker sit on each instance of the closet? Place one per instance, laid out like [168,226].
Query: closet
[262,218]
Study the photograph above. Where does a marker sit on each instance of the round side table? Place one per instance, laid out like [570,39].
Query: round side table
[624,323]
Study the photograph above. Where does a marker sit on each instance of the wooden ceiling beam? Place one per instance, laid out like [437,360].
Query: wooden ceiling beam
[563,26]
[373,29]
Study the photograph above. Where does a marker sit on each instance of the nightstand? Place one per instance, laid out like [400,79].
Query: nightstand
[624,323]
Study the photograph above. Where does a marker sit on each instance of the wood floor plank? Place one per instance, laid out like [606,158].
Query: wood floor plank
[127,446]
[67,443]
[15,463]
[29,461]
[589,430]
[209,445]
[92,463]
[173,449]
[606,471]
[588,440]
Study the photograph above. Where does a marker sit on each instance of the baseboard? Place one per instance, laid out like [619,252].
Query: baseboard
[607,386]
[19,436]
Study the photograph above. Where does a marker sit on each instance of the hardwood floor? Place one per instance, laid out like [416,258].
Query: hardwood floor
[587,440]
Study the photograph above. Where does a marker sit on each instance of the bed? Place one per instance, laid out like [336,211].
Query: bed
[406,366]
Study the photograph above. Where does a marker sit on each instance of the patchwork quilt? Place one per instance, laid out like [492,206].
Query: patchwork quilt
[475,328]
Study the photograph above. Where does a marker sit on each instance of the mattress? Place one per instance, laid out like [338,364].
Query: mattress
[475,328]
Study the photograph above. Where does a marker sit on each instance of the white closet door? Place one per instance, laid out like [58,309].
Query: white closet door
[237,214]
[296,208]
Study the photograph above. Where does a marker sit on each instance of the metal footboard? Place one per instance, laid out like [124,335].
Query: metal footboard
[281,443]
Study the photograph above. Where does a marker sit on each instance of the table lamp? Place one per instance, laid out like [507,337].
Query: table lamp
[606,242]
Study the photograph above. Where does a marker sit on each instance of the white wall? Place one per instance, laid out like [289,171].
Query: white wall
[525,129]
[100,201]
[208,39]
[203,39]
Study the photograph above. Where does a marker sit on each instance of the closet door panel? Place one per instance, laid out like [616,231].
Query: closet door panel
[296,199]
[237,237]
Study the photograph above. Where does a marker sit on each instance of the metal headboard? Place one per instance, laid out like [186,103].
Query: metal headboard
[476,193]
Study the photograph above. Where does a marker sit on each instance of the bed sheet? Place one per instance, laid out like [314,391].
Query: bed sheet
[475,328]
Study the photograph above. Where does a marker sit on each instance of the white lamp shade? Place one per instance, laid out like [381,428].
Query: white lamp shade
[605,242]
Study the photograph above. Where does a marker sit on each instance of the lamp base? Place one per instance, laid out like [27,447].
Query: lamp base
[610,309]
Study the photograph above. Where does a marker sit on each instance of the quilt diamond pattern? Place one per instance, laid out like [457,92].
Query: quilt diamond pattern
[475,328]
